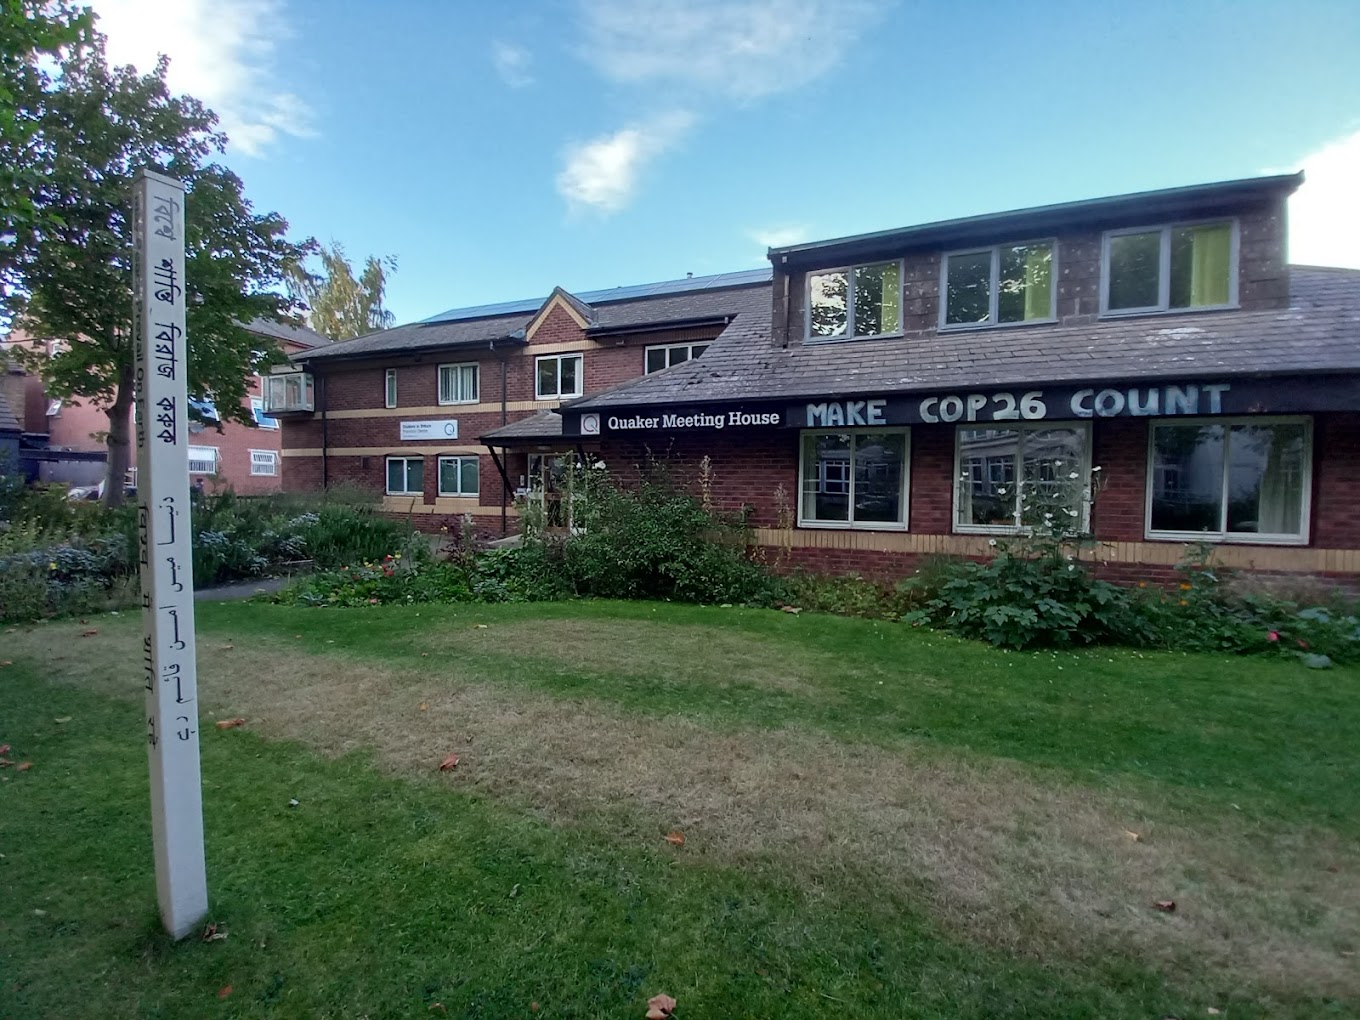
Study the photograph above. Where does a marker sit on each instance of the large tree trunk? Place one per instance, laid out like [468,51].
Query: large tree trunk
[120,439]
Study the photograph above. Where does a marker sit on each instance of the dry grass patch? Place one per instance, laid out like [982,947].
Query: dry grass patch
[1037,867]
[637,648]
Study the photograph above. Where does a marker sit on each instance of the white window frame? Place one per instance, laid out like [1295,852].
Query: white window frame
[439,474]
[405,476]
[995,286]
[263,420]
[216,460]
[256,462]
[390,387]
[689,344]
[1232,537]
[460,365]
[849,272]
[851,525]
[559,358]
[1019,426]
[1163,305]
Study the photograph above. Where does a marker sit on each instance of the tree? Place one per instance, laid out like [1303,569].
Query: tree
[341,307]
[98,126]
[29,31]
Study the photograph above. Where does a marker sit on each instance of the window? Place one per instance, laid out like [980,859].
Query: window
[1167,268]
[1008,478]
[458,476]
[1245,479]
[261,419]
[558,375]
[405,476]
[864,301]
[390,388]
[458,384]
[665,355]
[289,391]
[999,286]
[854,479]
[264,462]
[202,460]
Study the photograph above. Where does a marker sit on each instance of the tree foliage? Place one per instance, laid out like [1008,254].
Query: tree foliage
[29,31]
[340,306]
[72,265]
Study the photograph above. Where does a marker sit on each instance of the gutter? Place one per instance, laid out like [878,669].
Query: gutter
[661,326]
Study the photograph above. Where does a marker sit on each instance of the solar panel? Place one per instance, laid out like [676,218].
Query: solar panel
[641,290]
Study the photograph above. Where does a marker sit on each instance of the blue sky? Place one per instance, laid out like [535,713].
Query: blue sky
[500,149]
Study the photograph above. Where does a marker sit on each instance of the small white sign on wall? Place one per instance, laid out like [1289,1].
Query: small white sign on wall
[416,430]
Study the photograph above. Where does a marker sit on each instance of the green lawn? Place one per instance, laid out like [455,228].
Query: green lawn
[879,822]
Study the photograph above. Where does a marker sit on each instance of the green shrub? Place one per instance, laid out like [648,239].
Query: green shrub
[655,541]
[853,595]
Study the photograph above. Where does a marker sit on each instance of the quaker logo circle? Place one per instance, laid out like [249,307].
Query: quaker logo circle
[590,424]
[451,429]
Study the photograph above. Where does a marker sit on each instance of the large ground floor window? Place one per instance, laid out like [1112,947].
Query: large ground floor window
[459,476]
[405,476]
[1244,478]
[1011,478]
[854,479]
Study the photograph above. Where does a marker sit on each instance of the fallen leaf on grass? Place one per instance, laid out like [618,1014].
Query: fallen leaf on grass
[1134,836]
[62,719]
[213,934]
[4,749]
[533,1007]
[1166,906]
[479,626]
[424,706]
[795,610]
[675,838]
[225,648]
[450,761]
[6,662]
[659,1007]
[294,802]
[439,1006]
[230,724]
[1212,1011]
[224,991]
[5,763]
[24,766]
[89,633]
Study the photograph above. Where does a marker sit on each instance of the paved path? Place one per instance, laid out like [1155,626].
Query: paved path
[242,589]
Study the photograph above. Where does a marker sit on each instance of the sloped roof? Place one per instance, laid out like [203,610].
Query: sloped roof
[1319,332]
[543,425]
[288,332]
[8,421]
[703,300]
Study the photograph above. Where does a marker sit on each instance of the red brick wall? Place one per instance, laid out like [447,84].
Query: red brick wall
[1336,481]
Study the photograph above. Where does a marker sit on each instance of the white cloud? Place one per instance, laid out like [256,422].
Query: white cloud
[741,49]
[513,63]
[778,237]
[1324,214]
[602,174]
[221,52]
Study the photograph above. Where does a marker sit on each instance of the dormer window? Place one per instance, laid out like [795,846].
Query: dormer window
[1170,268]
[856,303]
[999,286]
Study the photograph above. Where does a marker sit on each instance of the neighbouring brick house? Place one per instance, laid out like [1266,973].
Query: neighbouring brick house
[404,411]
[63,439]
[887,395]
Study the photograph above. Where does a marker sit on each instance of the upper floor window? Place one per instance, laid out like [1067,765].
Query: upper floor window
[859,302]
[1173,267]
[261,419]
[998,286]
[1245,479]
[558,376]
[390,388]
[662,356]
[459,384]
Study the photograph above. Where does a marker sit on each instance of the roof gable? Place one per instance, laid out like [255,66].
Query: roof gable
[581,313]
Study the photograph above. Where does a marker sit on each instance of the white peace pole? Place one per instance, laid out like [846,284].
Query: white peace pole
[163,537]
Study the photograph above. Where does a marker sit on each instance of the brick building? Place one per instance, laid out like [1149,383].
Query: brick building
[925,390]
[63,439]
